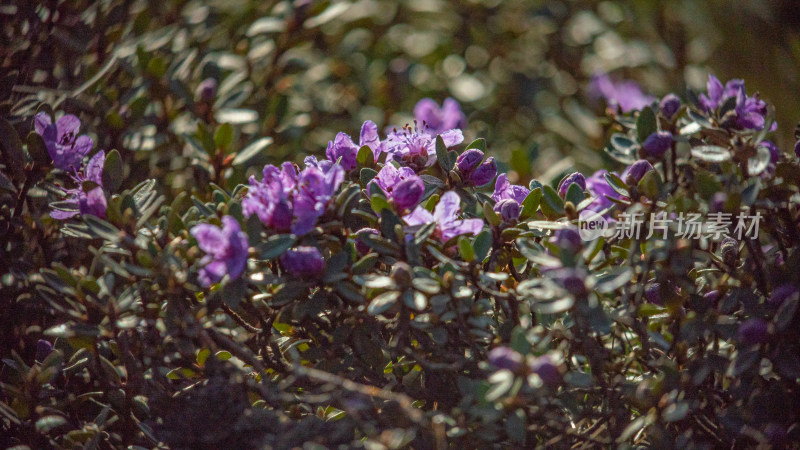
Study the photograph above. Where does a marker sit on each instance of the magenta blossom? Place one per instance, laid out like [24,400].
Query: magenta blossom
[416,148]
[343,146]
[65,147]
[445,215]
[625,95]
[225,248]
[89,198]
[303,262]
[503,190]
[474,170]
[402,187]
[438,120]
[751,112]
[601,191]
[286,200]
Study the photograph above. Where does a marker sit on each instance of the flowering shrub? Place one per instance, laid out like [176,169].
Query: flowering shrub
[401,292]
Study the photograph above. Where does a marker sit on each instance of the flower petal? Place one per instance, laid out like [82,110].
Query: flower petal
[67,124]
[447,208]
[41,122]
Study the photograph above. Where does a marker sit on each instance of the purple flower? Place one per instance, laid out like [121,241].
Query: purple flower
[505,358]
[653,294]
[469,160]
[303,262]
[509,210]
[782,293]
[43,349]
[472,172]
[598,187]
[402,186]
[570,279]
[753,331]
[225,248]
[361,247]
[438,120]
[750,112]
[445,215]
[569,180]
[625,95]
[503,190]
[416,147]
[206,90]
[797,149]
[285,200]
[65,147]
[343,146]
[657,143]
[711,297]
[546,369]
[670,105]
[83,202]
[636,171]
[567,238]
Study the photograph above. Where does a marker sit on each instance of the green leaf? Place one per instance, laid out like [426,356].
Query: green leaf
[276,245]
[103,229]
[38,149]
[12,152]
[553,205]
[223,137]
[617,184]
[383,302]
[112,171]
[651,185]
[711,153]
[482,245]
[441,155]
[251,151]
[575,194]
[646,124]
[490,215]
[479,144]
[531,204]
[366,175]
[465,249]
[365,157]
[49,423]
[379,203]
[202,356]
[223,355]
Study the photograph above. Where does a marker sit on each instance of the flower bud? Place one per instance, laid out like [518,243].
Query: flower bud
[361,247]
[408,193]
[547,370]
[508,209]
[43,349]
[729,247]
[567,238]
[797,149]
[469,160]
[657,143]
[670,105]
[782,293]
[636,171]
[653,294]
[485,173]
[753,331]
[206,90]
[568,180]
[505,358]
[401,274]
[711,298]
[303,262]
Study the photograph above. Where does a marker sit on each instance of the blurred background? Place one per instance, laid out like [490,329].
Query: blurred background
[300,71]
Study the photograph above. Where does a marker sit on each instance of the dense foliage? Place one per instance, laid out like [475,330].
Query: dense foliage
[163,287]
